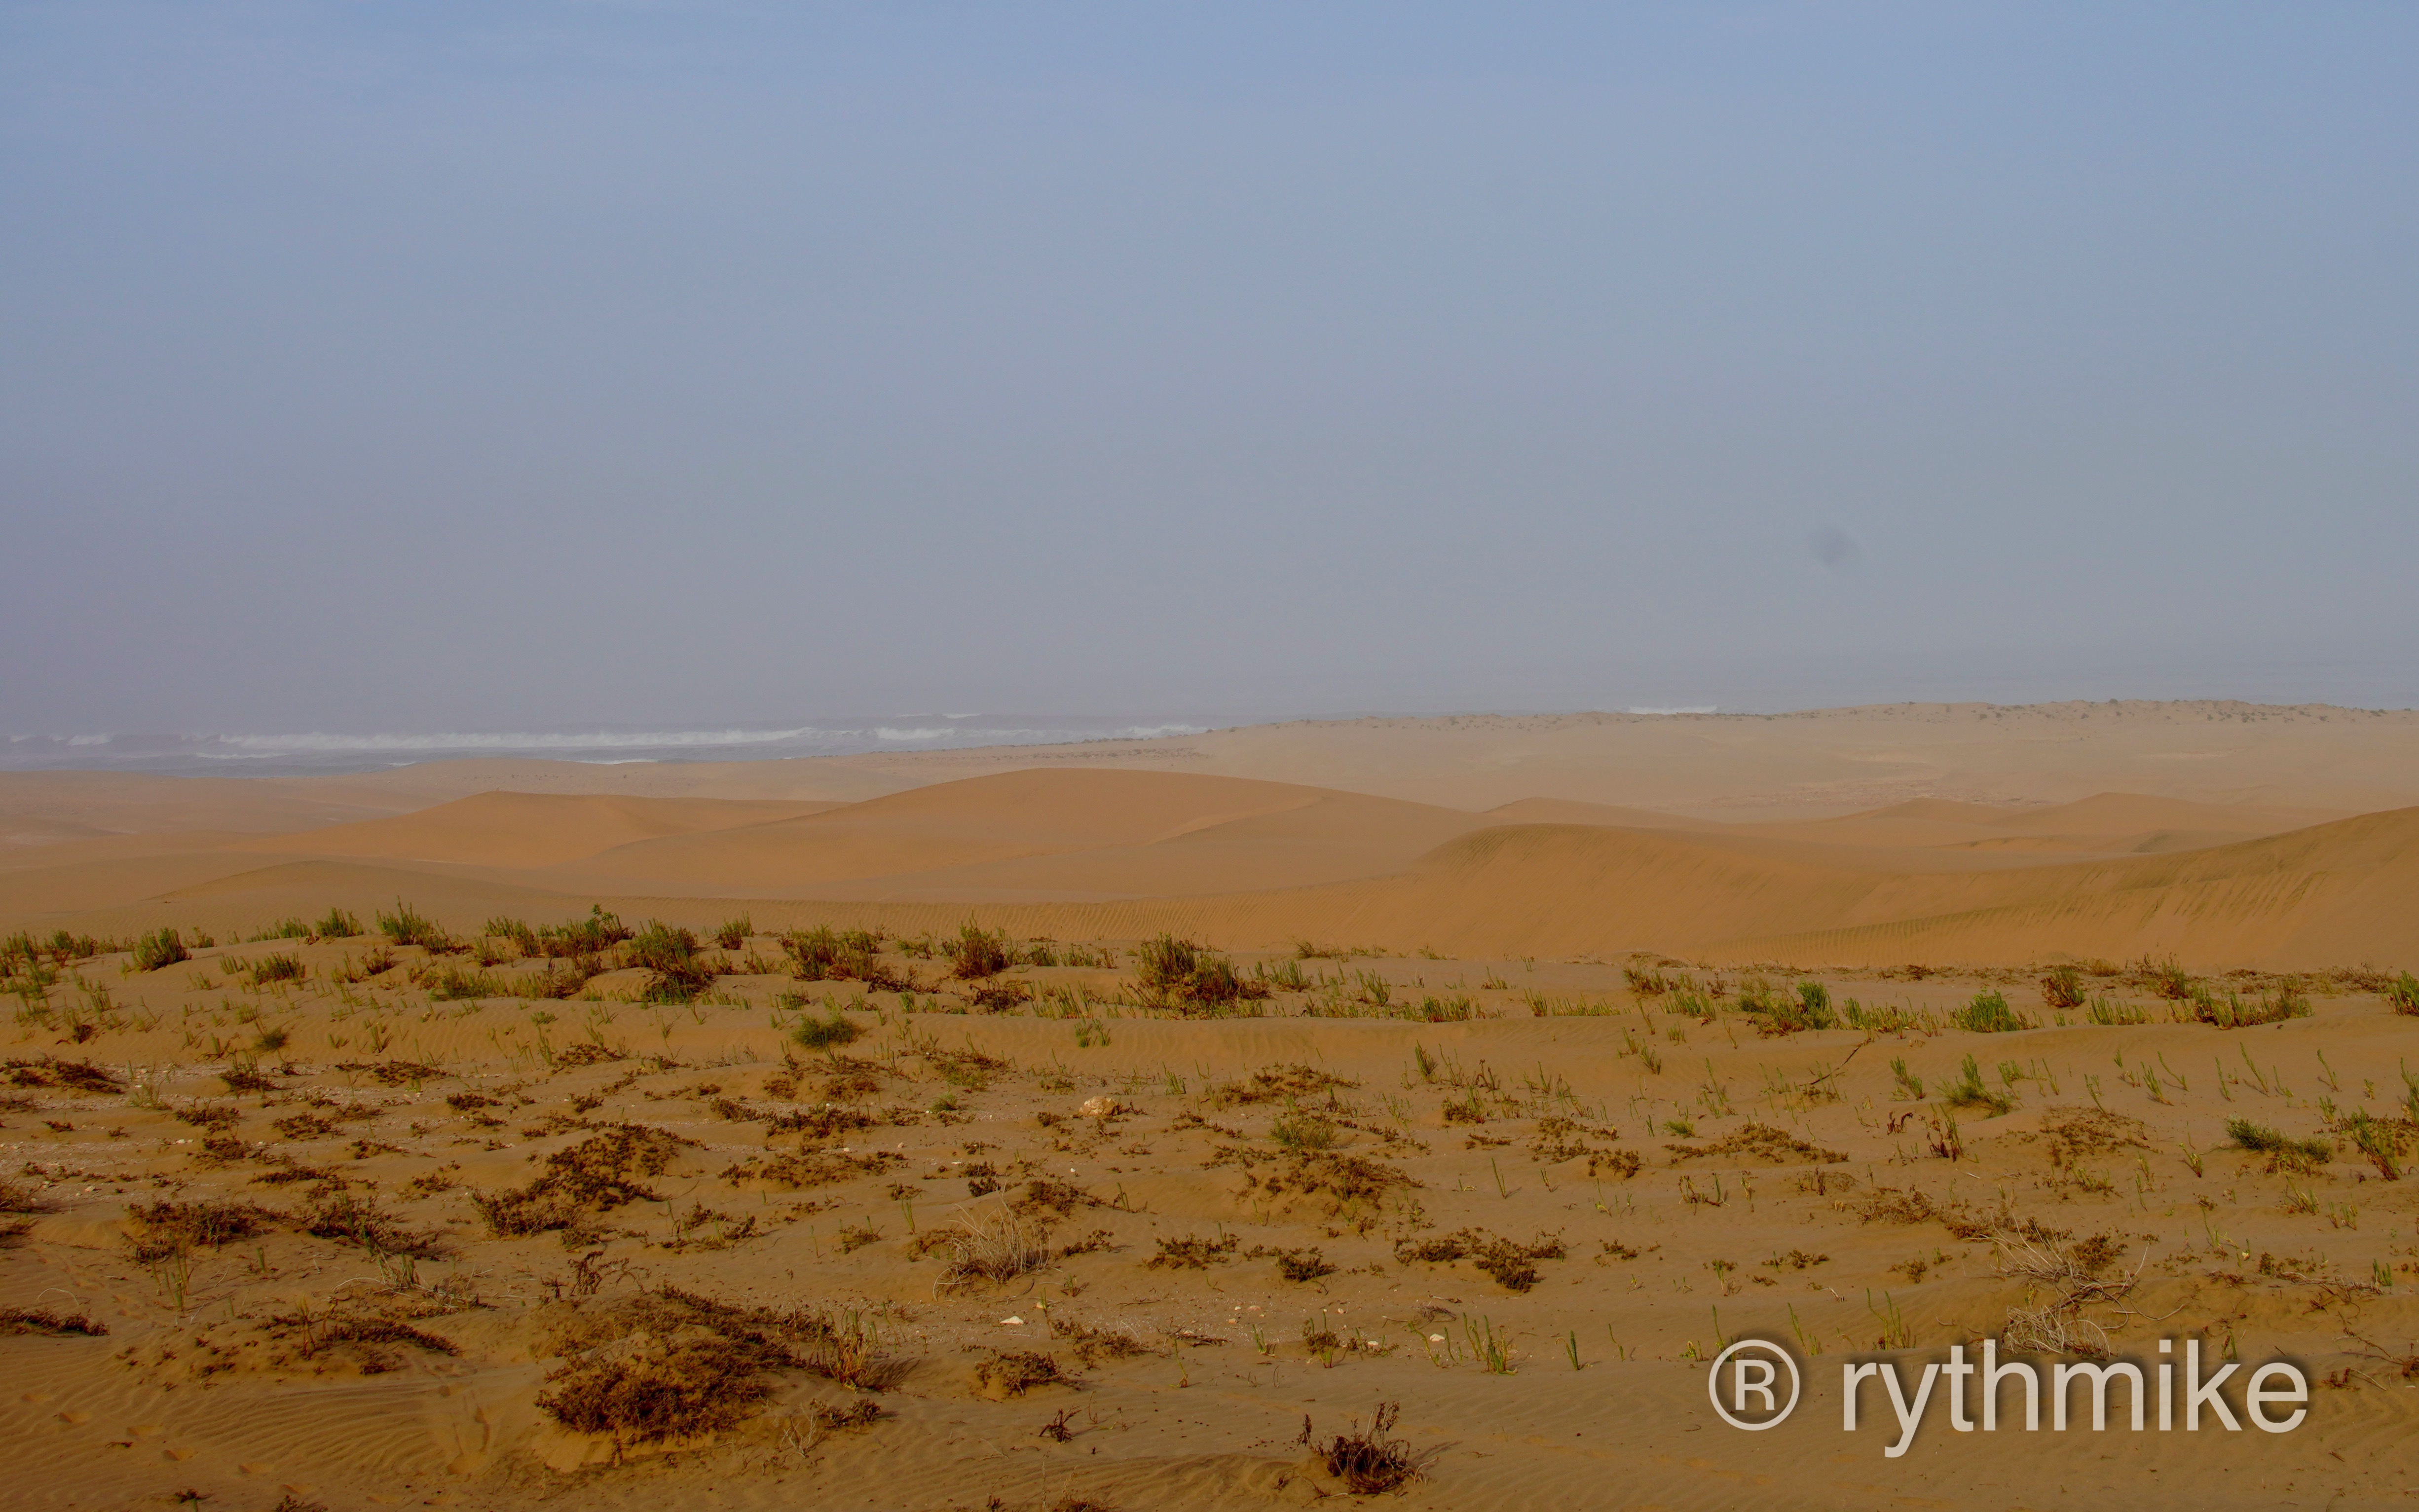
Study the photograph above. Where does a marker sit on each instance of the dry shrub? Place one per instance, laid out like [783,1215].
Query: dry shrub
[993,1247]
[600,1173]
[284,1171]
[2074,1277]
[1000,997]
[170,1228]
[2049,1330]
[1368,1463]
[851,1087]
[1094,1344]
[1298,1264]
[800,1169]
[977,953]
[360,1221]
[62,1075]
[673,1364]
[1168,968]
[1340,1177]
[1041,1194]
[862,1413]
[1014,1372]
[396,1073]
[33,1320]
[1278,1085]
[1192,1252]
[1556,1140]
[2075,1132]
[353,1340]
[1888,1204]
[819,1123]
[1760,1141]
[647,1389]
[1511,1263]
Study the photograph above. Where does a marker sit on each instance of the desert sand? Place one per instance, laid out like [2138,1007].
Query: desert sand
[1062,1127]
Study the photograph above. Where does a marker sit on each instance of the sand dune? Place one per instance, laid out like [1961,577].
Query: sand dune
[42,807]
[1098,848]
[1808,766]
[1613,815]
[527,830]
[1045,834]
[1213,1234]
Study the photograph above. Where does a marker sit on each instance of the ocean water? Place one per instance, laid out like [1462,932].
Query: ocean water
[322,752]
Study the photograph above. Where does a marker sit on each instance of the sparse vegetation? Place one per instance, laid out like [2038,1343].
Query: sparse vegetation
[407,925]
[1171,970]
[671,954]
[1969,1091]
[825,954]
[994,1246]
[977,953]
[673,1365]
[1512,1264]
[1367,1461]
[2232,1013]
[160,948]
[828,1031]
[1014,1372]
[2282,1149]
[54,1325]
[602,1172]
[1989,1013]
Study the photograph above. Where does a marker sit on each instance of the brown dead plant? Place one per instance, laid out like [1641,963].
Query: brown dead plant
[995,1246]
[2061,1282]
[1368,1462]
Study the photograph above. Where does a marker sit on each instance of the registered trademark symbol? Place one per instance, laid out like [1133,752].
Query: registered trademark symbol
[1745,1373]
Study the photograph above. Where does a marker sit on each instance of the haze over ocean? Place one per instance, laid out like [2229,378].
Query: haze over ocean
[551,366]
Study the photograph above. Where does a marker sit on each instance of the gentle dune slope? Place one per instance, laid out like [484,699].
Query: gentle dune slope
[2106,823]
[1251,864]
[304,889]
[1789,766]
[2251,874]
[2333,893]
[527,830]
[43,808]
[1572,812]
[1045,832]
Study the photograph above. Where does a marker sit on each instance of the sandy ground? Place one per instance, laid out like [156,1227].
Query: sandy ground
[1534,1118]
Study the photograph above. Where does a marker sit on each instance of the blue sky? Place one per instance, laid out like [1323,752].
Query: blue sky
[516,365]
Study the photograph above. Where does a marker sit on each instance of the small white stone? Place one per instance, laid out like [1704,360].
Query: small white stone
[1006,1321]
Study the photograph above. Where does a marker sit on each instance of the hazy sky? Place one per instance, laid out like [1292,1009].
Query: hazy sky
[428,366]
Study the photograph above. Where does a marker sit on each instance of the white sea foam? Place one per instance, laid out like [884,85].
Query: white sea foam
[322,751]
